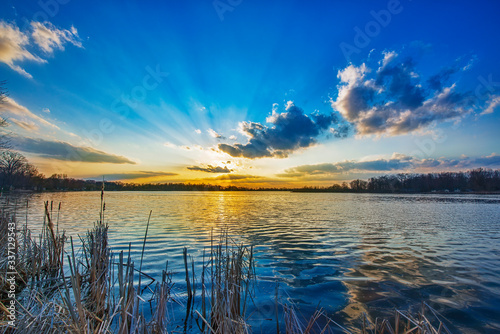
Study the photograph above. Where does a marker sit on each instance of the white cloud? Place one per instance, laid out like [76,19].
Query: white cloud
[492,104]
[11,107]
[352,74]
[289,104]
[48,37]
[184,147]
[13,45]
[388,57]
[24,119]
[471,63]
[214,134]
[16,45]
[170,145]
[198,131]
[272,118]
[28,126]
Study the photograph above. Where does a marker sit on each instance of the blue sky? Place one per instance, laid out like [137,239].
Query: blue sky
[251,92]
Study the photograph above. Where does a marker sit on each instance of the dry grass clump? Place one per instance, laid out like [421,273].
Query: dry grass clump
[230,271]
[34,261]
[426,321]
[39,313]
[96,296]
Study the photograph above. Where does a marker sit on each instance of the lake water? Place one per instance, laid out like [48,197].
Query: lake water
[352,253]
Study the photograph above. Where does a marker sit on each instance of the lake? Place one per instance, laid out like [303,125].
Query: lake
[352,253]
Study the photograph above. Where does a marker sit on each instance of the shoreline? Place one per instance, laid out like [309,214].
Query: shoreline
[299,190]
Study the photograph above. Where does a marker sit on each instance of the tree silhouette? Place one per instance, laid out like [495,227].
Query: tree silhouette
[15,171]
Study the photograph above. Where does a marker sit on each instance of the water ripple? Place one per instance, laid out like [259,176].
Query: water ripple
[353,252]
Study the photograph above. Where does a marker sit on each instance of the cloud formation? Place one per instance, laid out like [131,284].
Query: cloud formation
[214,134]
[210,169]
[391,98]
[134,175]
[59,150]
[289,131]
[491,105]
[28,126]
[14,43]
[48,37]
[10,106]
[398,162]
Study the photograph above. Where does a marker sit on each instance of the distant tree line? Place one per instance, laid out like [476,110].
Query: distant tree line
[16,173]
[476,180]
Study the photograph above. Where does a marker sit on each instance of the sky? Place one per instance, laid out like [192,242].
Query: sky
[253,93]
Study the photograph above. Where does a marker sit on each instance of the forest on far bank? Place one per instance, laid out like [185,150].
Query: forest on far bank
[16,173]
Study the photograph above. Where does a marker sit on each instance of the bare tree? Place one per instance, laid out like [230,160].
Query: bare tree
[15,169]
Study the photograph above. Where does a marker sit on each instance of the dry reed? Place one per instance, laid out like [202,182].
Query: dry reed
[231,273]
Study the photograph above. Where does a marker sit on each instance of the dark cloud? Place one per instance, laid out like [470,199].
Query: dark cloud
[398,162]
[392,99]
[378,165]
[358,100]
[491,161]
[211,169]
[342,131]
[133,175]
[290,130]
[429,163]
[400,85]
[437,81]
[64,151]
